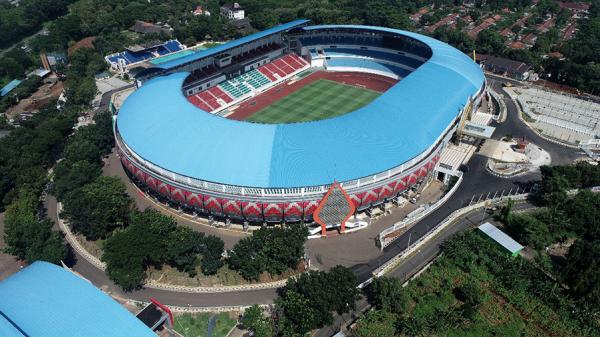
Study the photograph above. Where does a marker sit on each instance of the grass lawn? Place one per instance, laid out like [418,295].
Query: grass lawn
[318,100]
[197,325]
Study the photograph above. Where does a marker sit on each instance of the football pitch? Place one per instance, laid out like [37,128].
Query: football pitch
[318,100]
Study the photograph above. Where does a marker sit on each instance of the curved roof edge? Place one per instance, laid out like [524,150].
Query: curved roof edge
[160,125]
[232,44]
[46,300]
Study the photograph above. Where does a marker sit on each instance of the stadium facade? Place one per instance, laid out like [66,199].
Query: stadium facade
[174,142]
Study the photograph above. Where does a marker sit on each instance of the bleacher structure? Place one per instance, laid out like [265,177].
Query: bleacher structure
[563,116]
[137,54]
[240,87]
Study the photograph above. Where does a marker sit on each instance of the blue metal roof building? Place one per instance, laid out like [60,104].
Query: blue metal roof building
[226,46]
[46,300]
[9,87]
[160,125]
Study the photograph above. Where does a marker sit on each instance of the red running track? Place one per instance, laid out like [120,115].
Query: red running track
[257,103]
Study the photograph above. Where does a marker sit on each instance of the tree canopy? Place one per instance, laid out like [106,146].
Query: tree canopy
[269,249]
[28,238]
[154,239]
[96,209]
[307,302]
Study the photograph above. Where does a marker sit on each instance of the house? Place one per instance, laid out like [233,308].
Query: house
[529,39]
[512,246]
[575,7]
[417,16]
[200,11]
[570,31]
[243,26]
[517,45]
[546,25]
[233,11]
[143,27]
[499,65]
[448,20]
[507,32]
[556,55]
[50,60]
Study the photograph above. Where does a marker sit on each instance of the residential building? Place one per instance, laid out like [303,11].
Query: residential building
[233,11]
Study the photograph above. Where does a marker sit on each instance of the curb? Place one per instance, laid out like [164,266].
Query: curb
[520,111]
[96,262]
[408,222]
[394,261]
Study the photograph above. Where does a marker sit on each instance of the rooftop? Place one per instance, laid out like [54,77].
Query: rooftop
[163,127]
[9,87]
[45,300]
[232,44]
[500,237]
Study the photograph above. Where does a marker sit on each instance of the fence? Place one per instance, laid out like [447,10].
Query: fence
[393,262]
[501,116]
[385,237]
[78,247]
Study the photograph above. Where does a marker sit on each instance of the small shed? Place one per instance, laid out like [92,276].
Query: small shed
[502,238]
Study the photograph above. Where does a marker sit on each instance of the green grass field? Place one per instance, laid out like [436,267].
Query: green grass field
[196,325]
[318,100]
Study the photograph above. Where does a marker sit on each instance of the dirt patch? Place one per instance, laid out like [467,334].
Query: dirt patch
[44,94]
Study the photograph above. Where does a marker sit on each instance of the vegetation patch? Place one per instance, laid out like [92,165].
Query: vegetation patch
[204,324]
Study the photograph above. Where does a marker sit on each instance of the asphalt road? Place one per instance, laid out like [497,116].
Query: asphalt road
[477,181]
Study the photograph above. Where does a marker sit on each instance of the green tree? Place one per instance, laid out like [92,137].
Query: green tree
[245,259]
[307,302]
[530,230]
[183,245]
[211,256]
[156,228]
[124,254]
[387,294]
[30,239]
[255,321]
[97,208]
[376,323]
[129,252]
[297,316]
[273,250]
[581,271]
[470,293]
[69,176]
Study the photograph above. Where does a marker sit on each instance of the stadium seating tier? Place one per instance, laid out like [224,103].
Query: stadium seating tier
[226,92]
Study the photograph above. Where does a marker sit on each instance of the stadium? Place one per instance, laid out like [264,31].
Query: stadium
[258,129]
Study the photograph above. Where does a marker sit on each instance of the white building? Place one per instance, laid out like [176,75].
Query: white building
[233,11]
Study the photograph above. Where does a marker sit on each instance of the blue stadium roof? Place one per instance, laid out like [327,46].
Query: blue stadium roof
[159,124]
[46,300]
[226,46]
